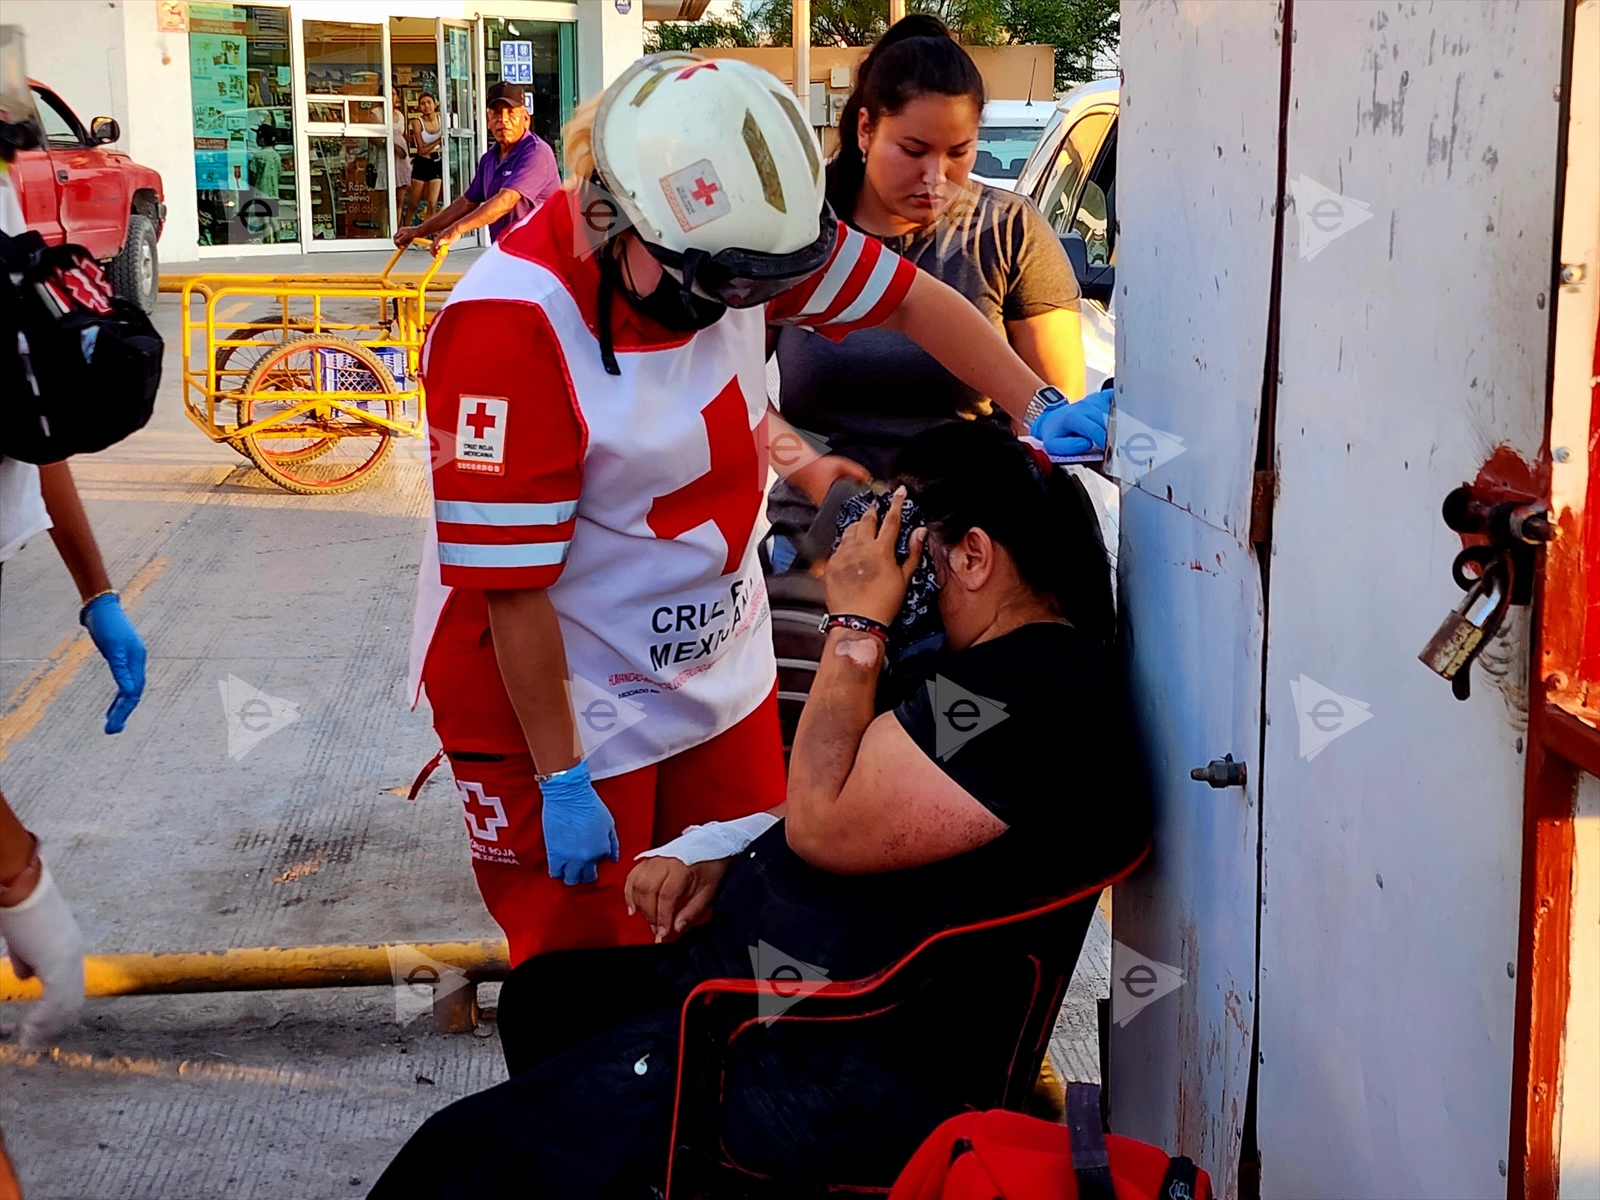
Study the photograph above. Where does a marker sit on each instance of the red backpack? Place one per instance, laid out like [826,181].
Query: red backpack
[1000,1155]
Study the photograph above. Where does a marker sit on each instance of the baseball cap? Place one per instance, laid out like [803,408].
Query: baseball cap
[506,93]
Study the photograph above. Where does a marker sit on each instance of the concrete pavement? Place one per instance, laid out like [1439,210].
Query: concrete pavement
[171,837]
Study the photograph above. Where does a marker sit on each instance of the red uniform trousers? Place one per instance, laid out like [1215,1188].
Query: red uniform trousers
[738,772]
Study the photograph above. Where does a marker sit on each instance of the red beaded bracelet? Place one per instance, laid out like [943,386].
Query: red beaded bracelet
[859,624]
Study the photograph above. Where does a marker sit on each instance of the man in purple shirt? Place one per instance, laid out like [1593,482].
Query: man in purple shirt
[513,178]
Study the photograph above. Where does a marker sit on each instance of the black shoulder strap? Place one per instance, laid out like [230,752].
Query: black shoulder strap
[1090,1161]
[1178,1184]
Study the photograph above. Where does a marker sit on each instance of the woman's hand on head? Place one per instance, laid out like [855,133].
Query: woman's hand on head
[863,577]
[671,895]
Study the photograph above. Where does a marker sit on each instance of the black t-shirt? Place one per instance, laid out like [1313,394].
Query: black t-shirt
[1034,725]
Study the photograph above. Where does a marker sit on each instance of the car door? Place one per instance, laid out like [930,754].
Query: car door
[1073,192]
[1058,188]
[35,179]
[93,212]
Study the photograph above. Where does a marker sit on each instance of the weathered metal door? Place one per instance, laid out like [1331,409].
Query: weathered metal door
[1399,348]
[1196,184]
[1422,153]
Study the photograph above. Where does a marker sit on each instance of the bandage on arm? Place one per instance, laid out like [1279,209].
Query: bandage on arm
[716,839]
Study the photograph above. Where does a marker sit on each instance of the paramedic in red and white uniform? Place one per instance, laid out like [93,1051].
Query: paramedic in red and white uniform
[592,626]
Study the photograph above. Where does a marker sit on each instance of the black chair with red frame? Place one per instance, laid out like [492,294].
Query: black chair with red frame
[1018,965]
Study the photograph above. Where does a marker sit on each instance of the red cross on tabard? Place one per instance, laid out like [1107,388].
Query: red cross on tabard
[480,420]
[703,191]
[729,494]
[688,71]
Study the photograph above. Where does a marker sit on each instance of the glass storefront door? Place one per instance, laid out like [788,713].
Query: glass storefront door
[552,89]
[349,163]
[462,115]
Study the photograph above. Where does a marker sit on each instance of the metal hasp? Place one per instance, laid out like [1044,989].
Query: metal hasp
[1495,574]
[1221,773]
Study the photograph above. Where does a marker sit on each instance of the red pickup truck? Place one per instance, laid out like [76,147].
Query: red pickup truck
[76,188]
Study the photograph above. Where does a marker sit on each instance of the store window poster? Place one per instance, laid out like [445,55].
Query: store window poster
[218,51]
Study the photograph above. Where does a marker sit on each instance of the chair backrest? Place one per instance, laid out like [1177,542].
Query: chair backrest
[995,985]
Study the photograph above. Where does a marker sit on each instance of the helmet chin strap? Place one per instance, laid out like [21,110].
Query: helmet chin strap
[610,269]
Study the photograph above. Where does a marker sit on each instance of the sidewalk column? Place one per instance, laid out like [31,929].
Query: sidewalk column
[609,41]
[801,31]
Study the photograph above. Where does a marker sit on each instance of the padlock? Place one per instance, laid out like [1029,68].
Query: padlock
[1465,631]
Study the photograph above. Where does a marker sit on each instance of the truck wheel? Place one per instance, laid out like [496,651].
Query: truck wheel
[135,273]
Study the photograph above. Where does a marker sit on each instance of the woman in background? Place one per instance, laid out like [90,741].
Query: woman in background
[908,138]
[425,134]
[402,148]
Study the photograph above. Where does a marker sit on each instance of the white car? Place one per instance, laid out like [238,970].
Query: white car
[1007,133]
[1071,175]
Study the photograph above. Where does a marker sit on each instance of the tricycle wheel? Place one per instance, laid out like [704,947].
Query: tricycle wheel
[321,449]
[234,364]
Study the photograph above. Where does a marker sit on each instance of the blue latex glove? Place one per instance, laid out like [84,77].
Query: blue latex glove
[578,829]
[1075,428]
[120,645]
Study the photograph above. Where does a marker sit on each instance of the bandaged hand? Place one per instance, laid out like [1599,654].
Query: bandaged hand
[44,940]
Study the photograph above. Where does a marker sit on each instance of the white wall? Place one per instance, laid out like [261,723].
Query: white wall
[157,124]
[76,49]
[607,43]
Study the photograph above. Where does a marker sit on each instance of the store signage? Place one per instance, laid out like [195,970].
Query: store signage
[516,62]
[172,16]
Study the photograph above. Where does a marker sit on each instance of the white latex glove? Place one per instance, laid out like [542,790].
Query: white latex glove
[44,940]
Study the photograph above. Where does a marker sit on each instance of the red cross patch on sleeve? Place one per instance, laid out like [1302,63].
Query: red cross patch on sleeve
[481,435]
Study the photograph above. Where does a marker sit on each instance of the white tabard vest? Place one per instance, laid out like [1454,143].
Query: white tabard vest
[666,627]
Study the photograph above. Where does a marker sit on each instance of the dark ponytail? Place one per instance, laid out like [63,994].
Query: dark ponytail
[968,475]
[916,57]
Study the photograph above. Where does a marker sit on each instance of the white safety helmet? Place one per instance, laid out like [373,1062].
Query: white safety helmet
[718,172]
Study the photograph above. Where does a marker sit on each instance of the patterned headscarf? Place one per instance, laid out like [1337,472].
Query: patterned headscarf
[917,627]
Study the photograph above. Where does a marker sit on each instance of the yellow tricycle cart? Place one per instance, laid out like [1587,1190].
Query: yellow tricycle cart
[309,377]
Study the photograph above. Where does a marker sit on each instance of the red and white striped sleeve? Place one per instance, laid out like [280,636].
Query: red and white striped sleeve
[862,283]
[508,445]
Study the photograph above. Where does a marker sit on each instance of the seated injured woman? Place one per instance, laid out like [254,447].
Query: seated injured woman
[925,791]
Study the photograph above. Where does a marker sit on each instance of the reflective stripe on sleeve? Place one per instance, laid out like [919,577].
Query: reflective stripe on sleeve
[470,512]
[531,554]
[871,291]
[845,257]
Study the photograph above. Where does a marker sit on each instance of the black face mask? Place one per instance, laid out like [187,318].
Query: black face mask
[669,303]
[676,307]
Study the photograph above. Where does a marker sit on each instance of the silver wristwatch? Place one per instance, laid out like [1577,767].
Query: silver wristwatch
[1045,397]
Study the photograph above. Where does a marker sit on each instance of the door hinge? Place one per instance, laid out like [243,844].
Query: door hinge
[1263,491]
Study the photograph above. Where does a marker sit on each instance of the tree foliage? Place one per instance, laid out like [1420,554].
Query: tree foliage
[738,28]
[1078,29]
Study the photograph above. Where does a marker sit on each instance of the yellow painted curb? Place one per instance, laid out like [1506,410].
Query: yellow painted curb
[267,968]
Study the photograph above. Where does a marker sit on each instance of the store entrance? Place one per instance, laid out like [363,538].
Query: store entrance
[347,122]
[463,111]
[420,126]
